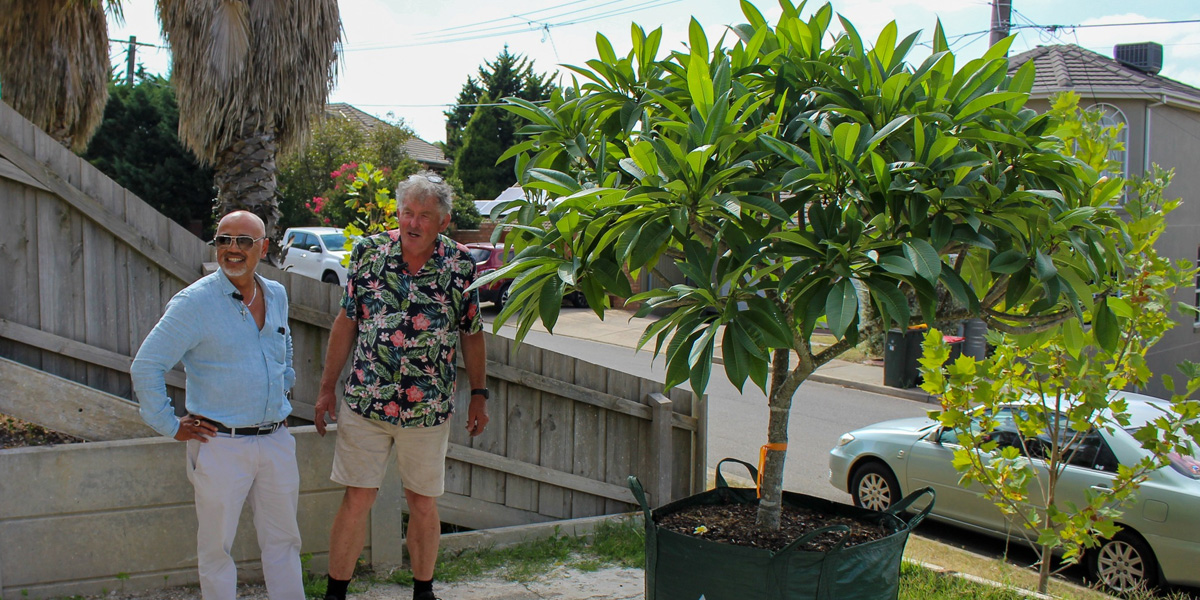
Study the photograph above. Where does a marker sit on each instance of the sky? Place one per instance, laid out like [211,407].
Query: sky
[408,60]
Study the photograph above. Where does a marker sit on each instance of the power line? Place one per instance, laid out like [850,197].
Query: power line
[1053,28]
[515,29]
[525,17]
[498,19]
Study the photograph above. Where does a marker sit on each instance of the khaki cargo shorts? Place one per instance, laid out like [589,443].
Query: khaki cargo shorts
[363,445]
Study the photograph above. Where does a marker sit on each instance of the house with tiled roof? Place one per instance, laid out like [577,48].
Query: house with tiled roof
[430,156]
[1161,119]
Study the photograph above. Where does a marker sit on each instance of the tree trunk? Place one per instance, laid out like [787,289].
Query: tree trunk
[783,387]
[245,176]
[1044,570]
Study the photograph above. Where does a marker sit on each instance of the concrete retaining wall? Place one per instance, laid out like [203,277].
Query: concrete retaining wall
[119,515]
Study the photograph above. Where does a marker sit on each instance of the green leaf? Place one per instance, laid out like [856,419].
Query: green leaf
[1105,327]
[841,307]
[939,38]
[698,42]
[897,264]
[924,259]
[1009,261]
[1073,337]
[1045,266]
[737,363]
[550,300]
[845,138]
[985,101]
[700,85]
[553,181]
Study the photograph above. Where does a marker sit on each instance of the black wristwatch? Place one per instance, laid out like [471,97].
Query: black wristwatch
[480,392]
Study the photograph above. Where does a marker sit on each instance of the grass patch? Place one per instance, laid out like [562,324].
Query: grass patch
[919,583]
[614,543]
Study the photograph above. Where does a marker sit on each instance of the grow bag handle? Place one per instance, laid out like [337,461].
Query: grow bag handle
[635,486]
[721,483]
[908,500]
[845,529]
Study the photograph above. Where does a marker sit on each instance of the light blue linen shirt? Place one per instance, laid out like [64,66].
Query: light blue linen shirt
[237,374]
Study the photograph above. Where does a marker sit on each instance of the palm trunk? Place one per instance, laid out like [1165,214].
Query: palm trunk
[784,384]
[245,176]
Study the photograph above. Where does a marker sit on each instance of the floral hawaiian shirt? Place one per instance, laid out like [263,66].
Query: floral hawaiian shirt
[408,327]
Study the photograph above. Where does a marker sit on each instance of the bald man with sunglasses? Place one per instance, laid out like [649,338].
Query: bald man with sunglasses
[230,329]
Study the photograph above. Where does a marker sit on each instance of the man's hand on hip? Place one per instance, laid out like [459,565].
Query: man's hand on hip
[326,405]
[477,415]
[193,427]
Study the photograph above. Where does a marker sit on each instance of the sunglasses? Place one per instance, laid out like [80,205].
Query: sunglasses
[244,242]
[429,178]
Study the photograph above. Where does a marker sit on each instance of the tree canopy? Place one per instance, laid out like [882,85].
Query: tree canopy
[477,134]
[315,183]
[136,145]
[793,176]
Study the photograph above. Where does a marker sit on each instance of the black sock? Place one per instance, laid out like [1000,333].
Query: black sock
[422,586]
[336,588]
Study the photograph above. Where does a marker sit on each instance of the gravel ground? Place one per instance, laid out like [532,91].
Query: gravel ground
[612,583]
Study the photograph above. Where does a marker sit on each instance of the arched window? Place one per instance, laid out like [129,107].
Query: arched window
[1113,117]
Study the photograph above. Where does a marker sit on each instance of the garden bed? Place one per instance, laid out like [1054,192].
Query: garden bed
[735,524]
[15,433]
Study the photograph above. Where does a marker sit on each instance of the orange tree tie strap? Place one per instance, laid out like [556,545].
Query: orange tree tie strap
[762,461]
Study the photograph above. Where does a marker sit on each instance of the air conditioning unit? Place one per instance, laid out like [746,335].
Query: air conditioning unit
[1146,56]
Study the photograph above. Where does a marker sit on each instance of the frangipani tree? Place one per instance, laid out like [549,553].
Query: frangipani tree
[792,176]
[1020,417]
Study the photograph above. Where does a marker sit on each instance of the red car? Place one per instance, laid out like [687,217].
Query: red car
[489,257]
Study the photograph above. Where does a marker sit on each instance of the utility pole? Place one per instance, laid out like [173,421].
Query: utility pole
[1001,20]
[129,60]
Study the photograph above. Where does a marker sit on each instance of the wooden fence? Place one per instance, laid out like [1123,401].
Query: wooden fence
[89,267]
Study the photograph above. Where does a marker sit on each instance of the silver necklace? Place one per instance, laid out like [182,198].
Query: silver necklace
[243,306]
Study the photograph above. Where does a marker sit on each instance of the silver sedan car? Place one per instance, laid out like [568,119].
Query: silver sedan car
[1160,536]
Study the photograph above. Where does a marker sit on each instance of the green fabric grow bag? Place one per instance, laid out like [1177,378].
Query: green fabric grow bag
[682,567]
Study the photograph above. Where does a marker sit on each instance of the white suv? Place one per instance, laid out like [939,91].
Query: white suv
[315,252]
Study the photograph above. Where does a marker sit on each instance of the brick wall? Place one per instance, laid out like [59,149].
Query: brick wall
[469,236]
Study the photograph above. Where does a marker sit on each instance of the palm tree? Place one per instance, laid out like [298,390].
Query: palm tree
[249,75]
[54,64]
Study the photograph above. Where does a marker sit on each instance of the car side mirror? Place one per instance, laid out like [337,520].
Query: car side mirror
[314,248]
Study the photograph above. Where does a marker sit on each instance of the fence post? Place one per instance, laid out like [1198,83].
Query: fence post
[660,448]
[700,444]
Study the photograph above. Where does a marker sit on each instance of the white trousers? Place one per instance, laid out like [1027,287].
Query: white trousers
[227,471]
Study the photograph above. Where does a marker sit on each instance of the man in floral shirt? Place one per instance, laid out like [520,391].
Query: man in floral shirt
[404,312]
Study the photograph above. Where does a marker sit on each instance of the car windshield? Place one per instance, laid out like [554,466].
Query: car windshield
[1188,463]
[334,241]
[480,254]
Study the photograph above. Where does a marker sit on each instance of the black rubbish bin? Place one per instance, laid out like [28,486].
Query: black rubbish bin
[913,338]
[894,352]
[975,344]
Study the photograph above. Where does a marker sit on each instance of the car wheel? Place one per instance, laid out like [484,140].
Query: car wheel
[1124,563]
[502,298]
[578,300]
[874,486]
[330,277]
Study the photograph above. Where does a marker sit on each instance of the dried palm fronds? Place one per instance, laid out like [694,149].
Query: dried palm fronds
[54,66]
